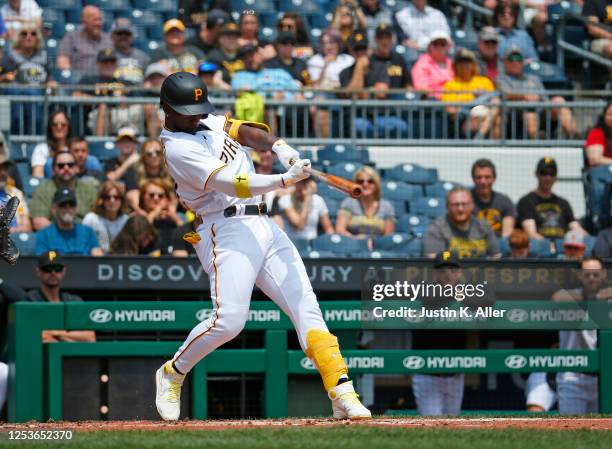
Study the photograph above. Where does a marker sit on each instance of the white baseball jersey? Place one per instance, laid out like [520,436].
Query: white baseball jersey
[193,159]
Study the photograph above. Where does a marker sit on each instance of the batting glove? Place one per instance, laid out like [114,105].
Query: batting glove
[285,153]
[296,172]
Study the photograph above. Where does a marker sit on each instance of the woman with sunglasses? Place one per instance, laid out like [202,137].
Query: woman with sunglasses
[58,133]
[25,60]
[249,35]
[504,18]
[138,237]
[434,68]
[369,215]
[109,214]
[347,19]
[293,23]
[158,207]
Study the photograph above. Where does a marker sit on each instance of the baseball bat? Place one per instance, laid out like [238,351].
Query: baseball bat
[342,184]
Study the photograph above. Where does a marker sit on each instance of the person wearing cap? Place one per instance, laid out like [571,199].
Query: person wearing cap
[417,22]
[348,19]
[505,18]
[467,86]
[487,56]
[375,14]
[574,247]
[249,35]
[212,76]
[64,234]
[51,271]
[104,78]
[21,220]
[207,39]
[385,59]
[121,168]
[79,49]
[434,68]
[64,176]
[131,61]
[284,59]
[516,85]
[518,241]
[598,11]
[178,56]
[226,55]
[459,231]
[541,213]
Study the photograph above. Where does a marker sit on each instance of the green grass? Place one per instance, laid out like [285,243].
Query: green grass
[339,437]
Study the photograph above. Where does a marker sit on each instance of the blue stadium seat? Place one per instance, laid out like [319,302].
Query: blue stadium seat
[428,206]
[103,150]
[551,75]
[60,4]
[540,248]
[57,21]
[319,20]
[110,5]
[155,5]
[440,189]
[345,170]
[145,18]
[333,206]
[314,254]
[66,76]
[589,242]
[255,5]
[339,244]
[376,254]
[25,242]
[392,242]
[155,33]
[413,174]
[413,224]
[397,190]
[504,246]
[73,16]
[327,192]
[342,153]
[300,6]
[302,245]
[400,207]
[557,10]
[466,39]
[269,19]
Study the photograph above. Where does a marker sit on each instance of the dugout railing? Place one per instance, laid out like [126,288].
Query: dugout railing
[35,379]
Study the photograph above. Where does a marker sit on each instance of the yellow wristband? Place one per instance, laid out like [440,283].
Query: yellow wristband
[241,184]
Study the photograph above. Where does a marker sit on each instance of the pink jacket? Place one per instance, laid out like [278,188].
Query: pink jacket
[429,76]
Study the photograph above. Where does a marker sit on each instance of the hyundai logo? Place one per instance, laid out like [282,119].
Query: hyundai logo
[414,362]
[100,315]
[518,315]
[515,361]
[307,363]
[203,314]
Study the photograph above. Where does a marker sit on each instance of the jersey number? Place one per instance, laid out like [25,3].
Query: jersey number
[230,147]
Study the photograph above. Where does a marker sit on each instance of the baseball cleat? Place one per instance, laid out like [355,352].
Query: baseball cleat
[346,403]
[168,392]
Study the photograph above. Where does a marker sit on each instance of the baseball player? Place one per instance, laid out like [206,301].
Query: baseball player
[237,244]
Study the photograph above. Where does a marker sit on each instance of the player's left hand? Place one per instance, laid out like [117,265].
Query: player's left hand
[286,154]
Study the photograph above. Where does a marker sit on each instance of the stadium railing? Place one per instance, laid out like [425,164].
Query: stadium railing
[35,381]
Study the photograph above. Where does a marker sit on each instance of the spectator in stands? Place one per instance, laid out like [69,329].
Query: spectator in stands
[26,60]
[540,395]
[434,68]
[488,58]
[293,22]
[541,213]
[475,119]
[510,36]
[348,18]
[226,56]
[284,59]
[93,170]
[305,212]
[370,215]
[138,237]
[192,12]
[573,245]
[79,49]
[249,35]
[519,243]
[603,244]
[149,166]
[177,55]
[159,205]
[518,86]
[375,14]
[459,231]
[20,13]
[598,11]
[185,236]
[64,176]
[493,207]
[578,393]
[51,271]
[155,74]
[324,69]
[131,62]
[385,59]
[535,15]
[58,133]
[213,78]
[122,168]
[109,214]
[64,234]
[207,39]
[598,146]
[21,220]
[418,22]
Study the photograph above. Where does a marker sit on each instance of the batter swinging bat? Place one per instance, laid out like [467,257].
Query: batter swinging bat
[338,183]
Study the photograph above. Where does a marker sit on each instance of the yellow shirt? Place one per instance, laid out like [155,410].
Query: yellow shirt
[454,86]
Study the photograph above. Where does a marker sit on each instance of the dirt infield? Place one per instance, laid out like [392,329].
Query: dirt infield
[604,424]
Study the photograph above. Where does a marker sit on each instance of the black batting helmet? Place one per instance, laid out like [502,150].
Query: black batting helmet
[186,94]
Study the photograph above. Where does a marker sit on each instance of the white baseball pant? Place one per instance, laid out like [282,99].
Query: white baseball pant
[237,253]
[538,391]
[4,372]
[438,395]
[578,393]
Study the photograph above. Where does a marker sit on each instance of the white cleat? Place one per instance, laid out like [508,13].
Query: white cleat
[346,403]
[168,392]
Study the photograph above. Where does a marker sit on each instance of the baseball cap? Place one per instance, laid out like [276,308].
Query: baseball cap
[247,50]
[157,68]
[230,28]
[127,132]
[383,29]
[64,195]
[107,54]
[49,259]
[513,50]
[122,24]
[547,163]
[438,35]
[358,41]
[173,24]
[463,54]
[286,37]
[208,67]
[216,17]
[446,259]
[574,238]
[488,34]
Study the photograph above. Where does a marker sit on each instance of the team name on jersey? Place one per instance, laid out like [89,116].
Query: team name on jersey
[230,148]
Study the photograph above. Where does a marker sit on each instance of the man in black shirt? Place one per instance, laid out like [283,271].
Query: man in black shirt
[297,68]
[226,55]
[206,39]
[386,60]
[123,167]
[599,11]
[541,213]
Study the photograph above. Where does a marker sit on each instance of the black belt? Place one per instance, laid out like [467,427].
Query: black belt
[249,209]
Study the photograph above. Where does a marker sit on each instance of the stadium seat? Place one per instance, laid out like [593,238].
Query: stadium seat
[103,150]
[330,154]
[302,245]
[110,5]
[413,224]
[504,246]
[557,10]
[339,244]
[145,18]
[314,254]
[551,75]
[540,248]
[57,21]
[345,170]
[413,174]
[300,6]
[589,242]
[465,39]
[400,207]
[256,5]
[327,192]
[155,5]
[333,206]
[428,206]
[375,254]
[319,20]
[66,76]
[25,242]
[392,242]
[397,190]
[155,33]
[440,189]
[60,4]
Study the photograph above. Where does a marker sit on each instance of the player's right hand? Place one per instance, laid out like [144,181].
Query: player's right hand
[297,171]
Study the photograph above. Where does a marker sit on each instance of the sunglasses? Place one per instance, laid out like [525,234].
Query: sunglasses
[439,43]
[59,124]
[27,33]
[67,205]
[547,173]
[287,26]
[111,197]
[153,195]
[62,165]
[53,269]
[152,153]
[490,42]
[365,181]
[515,58]
[123,33]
